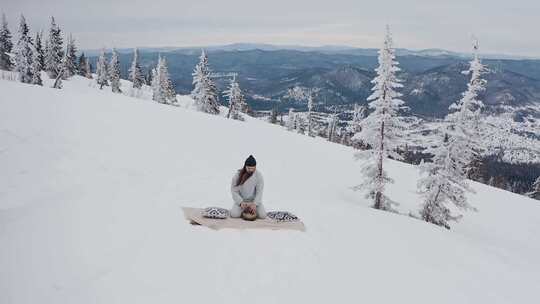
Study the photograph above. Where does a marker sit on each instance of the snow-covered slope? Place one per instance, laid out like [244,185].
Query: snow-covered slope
[91,189]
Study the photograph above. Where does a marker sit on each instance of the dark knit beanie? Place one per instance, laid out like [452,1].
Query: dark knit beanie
[250,161]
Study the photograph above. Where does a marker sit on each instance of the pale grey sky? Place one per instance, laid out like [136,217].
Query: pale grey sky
[502,26]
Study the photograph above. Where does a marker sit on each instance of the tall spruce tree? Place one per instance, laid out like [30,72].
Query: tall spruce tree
[6,46]
[135,72]
[162,88]
[236,100]
[54,52]
[114,72]
[102,77]
[36,68]
[88,69]
[81,65]
[70,62]
[24,55]
[205,92]
[446,176]
[382,128]
[464,119]
[40,51]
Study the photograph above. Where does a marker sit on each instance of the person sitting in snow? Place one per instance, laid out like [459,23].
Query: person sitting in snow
[247,189]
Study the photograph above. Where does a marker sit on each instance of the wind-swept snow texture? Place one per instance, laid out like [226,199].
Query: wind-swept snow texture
[92,186]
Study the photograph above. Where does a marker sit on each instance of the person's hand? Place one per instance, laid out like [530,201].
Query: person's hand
[243,205]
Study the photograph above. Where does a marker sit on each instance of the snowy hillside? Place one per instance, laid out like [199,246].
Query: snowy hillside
[91,189]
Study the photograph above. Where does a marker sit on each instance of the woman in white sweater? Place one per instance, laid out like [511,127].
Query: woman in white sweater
[247,189]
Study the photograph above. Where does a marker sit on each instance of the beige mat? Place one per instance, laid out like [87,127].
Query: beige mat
[193,215]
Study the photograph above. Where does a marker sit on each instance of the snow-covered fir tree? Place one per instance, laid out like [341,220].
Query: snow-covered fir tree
[331,132]
[6,46]
[464,119]
[382,129]
[135,72]
[114,72]
[102,77]
[54,52]
[358,116]
[81,65]
[162,87]
[40,57]
[236,100]
[36,68]
[444,183]
[290,120]
[70,58]
[24,55]
[88,69]
[205,92]
[535,193]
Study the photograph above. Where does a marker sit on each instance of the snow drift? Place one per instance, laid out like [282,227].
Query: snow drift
[91,189]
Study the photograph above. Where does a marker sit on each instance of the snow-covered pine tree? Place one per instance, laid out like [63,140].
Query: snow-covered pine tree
[464,121]
[332,134]
[88,69]
[162,88]
[102,77]
[36,68]
[358,116]
[114,72]
[290,120]
[205,92]
[54,52]
[382,128]
[444,182]
[24,54]
[70,58]
[535,193]
[6,46]
[236,100]
[40,51]
[135,72]
[81,65]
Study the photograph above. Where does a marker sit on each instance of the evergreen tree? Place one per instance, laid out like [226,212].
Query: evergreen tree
[535,193]
[332,134]
[162,88]
[40,56]
[81,65]
[464,120]
[36,68]
[382,128]
[273,115]
[205,91]
[24,54]
[135,72]
[114,72]
[70,58]
[236,100]
[6,46]
[88,69]
[54,52]
[358,116]
[101,70]
[444,182]
[148,77]
[290,120]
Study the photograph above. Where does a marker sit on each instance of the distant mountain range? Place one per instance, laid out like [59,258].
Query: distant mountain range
[432,78]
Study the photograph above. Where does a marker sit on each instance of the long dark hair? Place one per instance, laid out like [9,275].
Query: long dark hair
[243,175]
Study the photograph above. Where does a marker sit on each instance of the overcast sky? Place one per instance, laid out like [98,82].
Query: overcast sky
[509,26]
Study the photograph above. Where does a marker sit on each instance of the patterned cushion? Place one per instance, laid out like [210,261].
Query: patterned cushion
[282,216]
[215,212]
